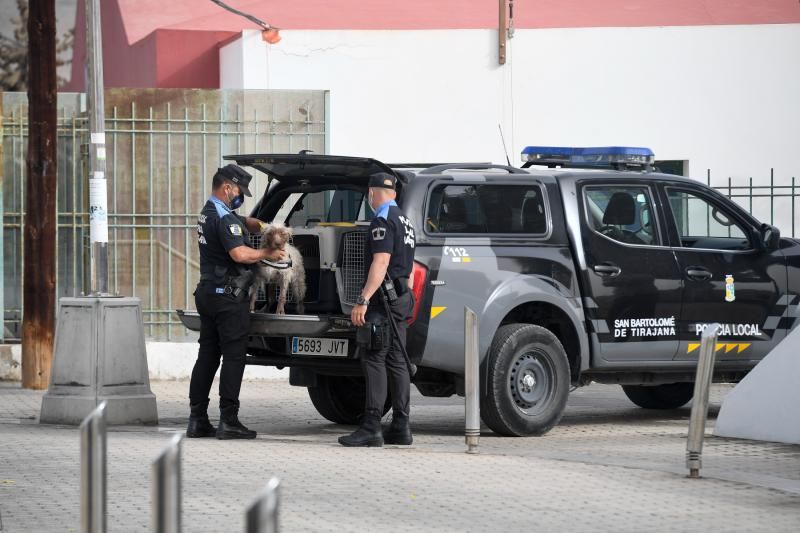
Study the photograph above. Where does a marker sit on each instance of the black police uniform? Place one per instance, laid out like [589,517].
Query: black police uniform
[389,232]
[224,309]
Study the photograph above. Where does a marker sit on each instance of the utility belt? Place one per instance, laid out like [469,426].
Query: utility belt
[377,335]
[232,281]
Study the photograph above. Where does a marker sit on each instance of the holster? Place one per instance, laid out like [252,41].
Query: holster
[240,284]
[373,336]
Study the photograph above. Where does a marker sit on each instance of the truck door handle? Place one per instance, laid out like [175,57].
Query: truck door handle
[607,269]
[698,274]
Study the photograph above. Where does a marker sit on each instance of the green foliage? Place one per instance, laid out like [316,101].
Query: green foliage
[14,52]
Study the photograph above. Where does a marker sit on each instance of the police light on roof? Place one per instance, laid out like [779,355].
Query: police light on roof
[600,156]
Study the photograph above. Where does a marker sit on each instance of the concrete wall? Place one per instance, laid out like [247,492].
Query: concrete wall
[165,361]
[721,97]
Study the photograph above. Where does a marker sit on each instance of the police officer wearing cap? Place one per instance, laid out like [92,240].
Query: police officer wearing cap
[390,250]
[222,303]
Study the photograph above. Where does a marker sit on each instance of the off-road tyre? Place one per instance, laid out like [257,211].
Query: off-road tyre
[669,396]
[340,399]
[527,381]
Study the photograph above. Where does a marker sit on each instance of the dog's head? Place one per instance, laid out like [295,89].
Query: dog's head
[276,237]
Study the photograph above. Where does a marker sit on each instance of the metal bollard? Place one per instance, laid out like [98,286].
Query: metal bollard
[93,471]
[262,515]
[166,488]
[472,430]
[702,384]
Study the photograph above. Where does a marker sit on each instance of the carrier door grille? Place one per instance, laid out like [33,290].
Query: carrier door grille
[353,266]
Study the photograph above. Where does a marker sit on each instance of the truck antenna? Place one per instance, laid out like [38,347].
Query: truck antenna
[503,140]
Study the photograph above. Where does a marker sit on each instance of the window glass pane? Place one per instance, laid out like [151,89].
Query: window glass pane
[621,213]
[496,209]
[702,224]
[324,206]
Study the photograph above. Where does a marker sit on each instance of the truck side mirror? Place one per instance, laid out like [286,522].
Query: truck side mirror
[770,236]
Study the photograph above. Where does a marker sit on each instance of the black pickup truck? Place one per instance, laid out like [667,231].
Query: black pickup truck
[576,275]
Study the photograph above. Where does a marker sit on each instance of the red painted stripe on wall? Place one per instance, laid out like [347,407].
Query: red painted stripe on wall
[141,17]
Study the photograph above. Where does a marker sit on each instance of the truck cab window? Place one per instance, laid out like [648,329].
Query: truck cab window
[702,224]
[328,206]
[493,209]
[622,213]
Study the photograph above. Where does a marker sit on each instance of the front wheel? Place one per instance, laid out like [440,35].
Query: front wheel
[669,396]
[527,381]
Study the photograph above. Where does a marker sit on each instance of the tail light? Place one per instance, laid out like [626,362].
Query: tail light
[418,288]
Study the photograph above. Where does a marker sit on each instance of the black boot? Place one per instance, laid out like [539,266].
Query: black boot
[230,427]
[399,431]
[199,424]
[368,434]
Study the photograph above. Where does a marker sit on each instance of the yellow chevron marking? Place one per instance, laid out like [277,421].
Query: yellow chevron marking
[728,346]
[436,311]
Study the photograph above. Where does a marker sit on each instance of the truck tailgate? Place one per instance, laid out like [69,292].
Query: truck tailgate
[280,325]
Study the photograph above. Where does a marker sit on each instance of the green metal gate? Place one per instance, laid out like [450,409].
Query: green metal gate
[163,146]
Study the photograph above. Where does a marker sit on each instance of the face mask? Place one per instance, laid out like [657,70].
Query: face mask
[237,201]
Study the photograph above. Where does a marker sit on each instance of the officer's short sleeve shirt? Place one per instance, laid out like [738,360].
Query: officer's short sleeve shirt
[392,232]
[219,230]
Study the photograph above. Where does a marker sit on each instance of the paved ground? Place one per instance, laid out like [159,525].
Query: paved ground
[607,467]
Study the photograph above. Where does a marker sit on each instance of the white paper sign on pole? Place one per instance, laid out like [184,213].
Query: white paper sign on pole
[98,208]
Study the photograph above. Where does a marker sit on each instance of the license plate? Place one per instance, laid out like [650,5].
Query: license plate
[319,346]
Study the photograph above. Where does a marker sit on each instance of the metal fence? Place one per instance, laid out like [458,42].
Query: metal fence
[163,146]
[774,203]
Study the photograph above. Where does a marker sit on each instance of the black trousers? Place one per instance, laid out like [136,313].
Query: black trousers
[389,364]
[224,326]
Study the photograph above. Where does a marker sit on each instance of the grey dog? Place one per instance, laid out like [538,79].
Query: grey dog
[277,236]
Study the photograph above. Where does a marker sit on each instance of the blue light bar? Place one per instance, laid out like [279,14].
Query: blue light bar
[533,153]
[594,156]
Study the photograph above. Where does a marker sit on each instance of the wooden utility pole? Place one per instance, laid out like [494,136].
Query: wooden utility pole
[39,226]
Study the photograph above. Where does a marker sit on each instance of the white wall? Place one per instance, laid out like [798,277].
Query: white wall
[165,361]
[721,97]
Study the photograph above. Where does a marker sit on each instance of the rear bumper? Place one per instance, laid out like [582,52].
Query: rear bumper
[269,325]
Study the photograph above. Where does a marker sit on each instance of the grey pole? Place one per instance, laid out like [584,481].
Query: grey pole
[166,488]
[98,196]
[702,384]
[471,381]
[262,514]
[93,471]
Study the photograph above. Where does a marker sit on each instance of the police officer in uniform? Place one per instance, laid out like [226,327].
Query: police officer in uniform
[390,250]
[223,304]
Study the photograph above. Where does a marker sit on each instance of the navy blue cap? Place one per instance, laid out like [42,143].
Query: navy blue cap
[383,180]
[237,175]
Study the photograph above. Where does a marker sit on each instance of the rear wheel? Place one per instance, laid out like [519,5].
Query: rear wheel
[340,399]
[669,396]
[528,381]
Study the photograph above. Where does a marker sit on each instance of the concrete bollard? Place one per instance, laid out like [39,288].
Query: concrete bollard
[702,385]
[472,374]
[262,514]
[93,471]
[166,488]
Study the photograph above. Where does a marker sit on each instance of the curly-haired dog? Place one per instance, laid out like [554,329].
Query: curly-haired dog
[277,236]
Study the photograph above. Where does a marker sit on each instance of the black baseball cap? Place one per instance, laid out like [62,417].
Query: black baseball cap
[237,175]
[383,180]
